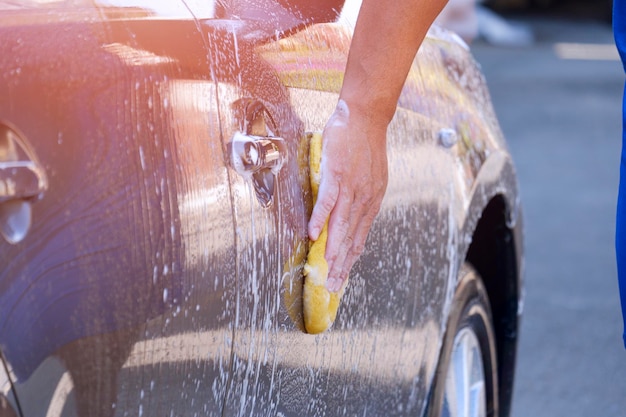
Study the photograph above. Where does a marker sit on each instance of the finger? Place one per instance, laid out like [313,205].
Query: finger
[337,244]
[326,200]
[335,274]
[361,217]
[358,245]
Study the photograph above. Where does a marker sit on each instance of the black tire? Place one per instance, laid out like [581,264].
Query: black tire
[469,330]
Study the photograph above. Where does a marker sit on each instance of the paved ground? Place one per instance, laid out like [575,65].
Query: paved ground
[562,118]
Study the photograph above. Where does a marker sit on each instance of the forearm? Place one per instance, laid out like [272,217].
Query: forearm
[354,159]
[386,39]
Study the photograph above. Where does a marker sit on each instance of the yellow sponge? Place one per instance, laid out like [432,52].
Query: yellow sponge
[320,305]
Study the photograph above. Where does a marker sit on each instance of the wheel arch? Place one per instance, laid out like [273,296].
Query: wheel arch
[494,255]
[9,405]
[494,224]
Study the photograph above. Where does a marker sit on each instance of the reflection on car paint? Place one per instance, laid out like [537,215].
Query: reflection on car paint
[154,281]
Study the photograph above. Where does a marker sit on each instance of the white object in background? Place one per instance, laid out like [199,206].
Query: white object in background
[497,31]
[459,16]
[350,12]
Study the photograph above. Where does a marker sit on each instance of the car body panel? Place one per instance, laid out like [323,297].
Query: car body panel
[154,281]
[119,250]
[381,353]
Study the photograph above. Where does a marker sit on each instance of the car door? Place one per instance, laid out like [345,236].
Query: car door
[117,296]
[381,353]
[271,202]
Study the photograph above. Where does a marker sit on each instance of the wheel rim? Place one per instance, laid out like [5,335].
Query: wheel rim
[464,394]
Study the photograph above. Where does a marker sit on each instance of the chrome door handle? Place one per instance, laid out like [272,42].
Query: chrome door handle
[22,179]
[252,153]
[258,159]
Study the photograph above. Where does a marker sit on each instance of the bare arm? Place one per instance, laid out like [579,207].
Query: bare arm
[354,159]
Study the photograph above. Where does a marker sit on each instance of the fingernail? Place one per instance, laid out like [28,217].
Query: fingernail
[333,284]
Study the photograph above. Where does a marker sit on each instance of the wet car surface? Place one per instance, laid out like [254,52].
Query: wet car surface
[154,204]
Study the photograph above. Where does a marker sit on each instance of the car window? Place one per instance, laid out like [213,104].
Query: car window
[202,8]
[314,12]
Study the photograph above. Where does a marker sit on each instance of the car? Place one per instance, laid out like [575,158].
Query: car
[154,201]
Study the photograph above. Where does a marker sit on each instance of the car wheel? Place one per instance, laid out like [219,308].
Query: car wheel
[465,383]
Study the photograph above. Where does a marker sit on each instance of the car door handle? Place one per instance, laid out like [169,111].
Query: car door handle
[258,159]
[256,153]
[22,180]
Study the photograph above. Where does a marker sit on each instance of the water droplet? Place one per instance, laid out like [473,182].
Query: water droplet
[142,159]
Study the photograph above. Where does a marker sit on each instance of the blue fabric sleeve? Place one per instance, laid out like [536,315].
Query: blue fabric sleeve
[619,30]
[620,231]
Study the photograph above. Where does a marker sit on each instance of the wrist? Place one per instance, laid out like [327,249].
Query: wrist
[376,110]
[363,121]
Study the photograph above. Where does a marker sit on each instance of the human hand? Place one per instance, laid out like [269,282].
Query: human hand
[352,185]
